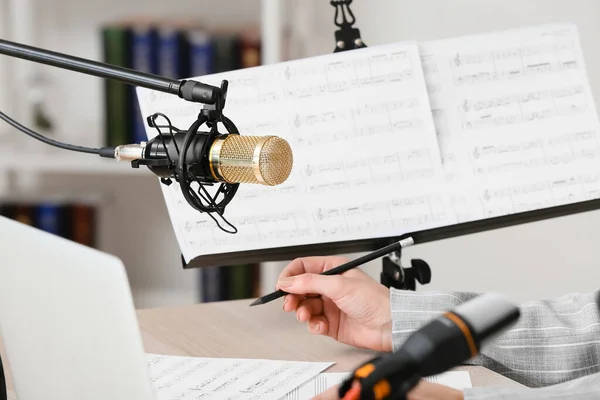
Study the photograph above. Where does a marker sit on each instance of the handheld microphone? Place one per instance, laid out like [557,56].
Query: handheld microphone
[445,342]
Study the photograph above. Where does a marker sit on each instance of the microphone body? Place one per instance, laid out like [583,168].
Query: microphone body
[229,158]
[445,342]
[458,335]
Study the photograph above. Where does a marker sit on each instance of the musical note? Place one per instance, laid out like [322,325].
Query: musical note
[294,72]
[512,63]
[522,108]
[393,216]
[387,168]
[341,76]
[255,99]
[542,193]
[531,154]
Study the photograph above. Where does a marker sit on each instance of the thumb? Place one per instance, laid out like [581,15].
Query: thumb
[332,286]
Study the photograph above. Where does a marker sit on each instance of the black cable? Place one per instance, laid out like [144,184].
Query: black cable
[107,152]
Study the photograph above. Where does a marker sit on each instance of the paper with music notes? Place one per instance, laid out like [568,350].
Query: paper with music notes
[404,137]
[366,159]
[192,378]
[515,119]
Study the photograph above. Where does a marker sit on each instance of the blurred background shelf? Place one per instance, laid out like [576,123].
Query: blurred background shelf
[132,220]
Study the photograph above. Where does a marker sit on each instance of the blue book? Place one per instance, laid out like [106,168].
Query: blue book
[173,55]
[144,58]
[201,53]
[49,217]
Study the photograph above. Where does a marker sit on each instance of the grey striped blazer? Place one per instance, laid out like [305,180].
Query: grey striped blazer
[554,349]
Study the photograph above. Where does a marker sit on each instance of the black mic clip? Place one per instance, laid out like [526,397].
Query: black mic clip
[347,37]
[179,166]
[211,113]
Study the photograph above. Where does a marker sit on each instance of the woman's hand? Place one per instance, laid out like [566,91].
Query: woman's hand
[352,308]
[425,390]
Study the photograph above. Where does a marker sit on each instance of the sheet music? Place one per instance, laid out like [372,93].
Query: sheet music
[191,378]
[399,138]
[366,160]
[455,379]
[515,118]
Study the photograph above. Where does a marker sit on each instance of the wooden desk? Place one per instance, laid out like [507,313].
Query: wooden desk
[232,329]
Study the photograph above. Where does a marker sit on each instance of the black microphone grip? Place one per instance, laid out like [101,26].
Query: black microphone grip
[458,335]
[443,343]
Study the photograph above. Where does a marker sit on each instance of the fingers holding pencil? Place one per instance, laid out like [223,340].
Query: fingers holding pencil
[350,307]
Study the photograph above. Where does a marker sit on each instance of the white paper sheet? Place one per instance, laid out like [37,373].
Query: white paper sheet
[366,159]
[515,118]
[404,137]
[192,378]
[455,379]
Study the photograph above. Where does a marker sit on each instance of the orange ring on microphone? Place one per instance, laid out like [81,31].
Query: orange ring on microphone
[465,330]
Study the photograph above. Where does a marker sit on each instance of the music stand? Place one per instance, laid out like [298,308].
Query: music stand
[393,273]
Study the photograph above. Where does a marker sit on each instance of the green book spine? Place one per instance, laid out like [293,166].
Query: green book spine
[239,275]
[118,121]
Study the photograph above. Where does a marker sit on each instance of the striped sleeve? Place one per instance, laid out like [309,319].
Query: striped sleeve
[585,388]
[555,341]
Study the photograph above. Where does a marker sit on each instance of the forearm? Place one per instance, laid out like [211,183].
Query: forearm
[586,388]
[553,341]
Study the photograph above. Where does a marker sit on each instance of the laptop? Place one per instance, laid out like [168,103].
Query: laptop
[67,320]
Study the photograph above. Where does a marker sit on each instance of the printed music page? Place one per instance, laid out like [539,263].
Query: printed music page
[189,378]
[366,157]
[458,380]
[515,119]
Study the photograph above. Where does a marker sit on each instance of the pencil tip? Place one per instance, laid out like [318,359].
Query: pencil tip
[256,302]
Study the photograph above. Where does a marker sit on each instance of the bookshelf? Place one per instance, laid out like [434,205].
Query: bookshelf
[131,199]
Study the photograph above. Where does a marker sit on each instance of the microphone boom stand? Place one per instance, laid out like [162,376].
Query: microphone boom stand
[190,90]
[211,113]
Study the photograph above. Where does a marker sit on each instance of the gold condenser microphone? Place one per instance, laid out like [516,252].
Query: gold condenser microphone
[230,158]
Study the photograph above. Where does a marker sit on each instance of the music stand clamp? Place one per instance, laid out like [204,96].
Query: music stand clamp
[347,37]
[393,274]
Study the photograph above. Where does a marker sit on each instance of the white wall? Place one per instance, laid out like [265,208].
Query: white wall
[531,261]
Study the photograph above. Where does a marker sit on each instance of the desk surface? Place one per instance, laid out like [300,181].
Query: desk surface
[232,329]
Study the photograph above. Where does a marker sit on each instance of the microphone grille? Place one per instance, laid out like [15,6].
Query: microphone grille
[263,160]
